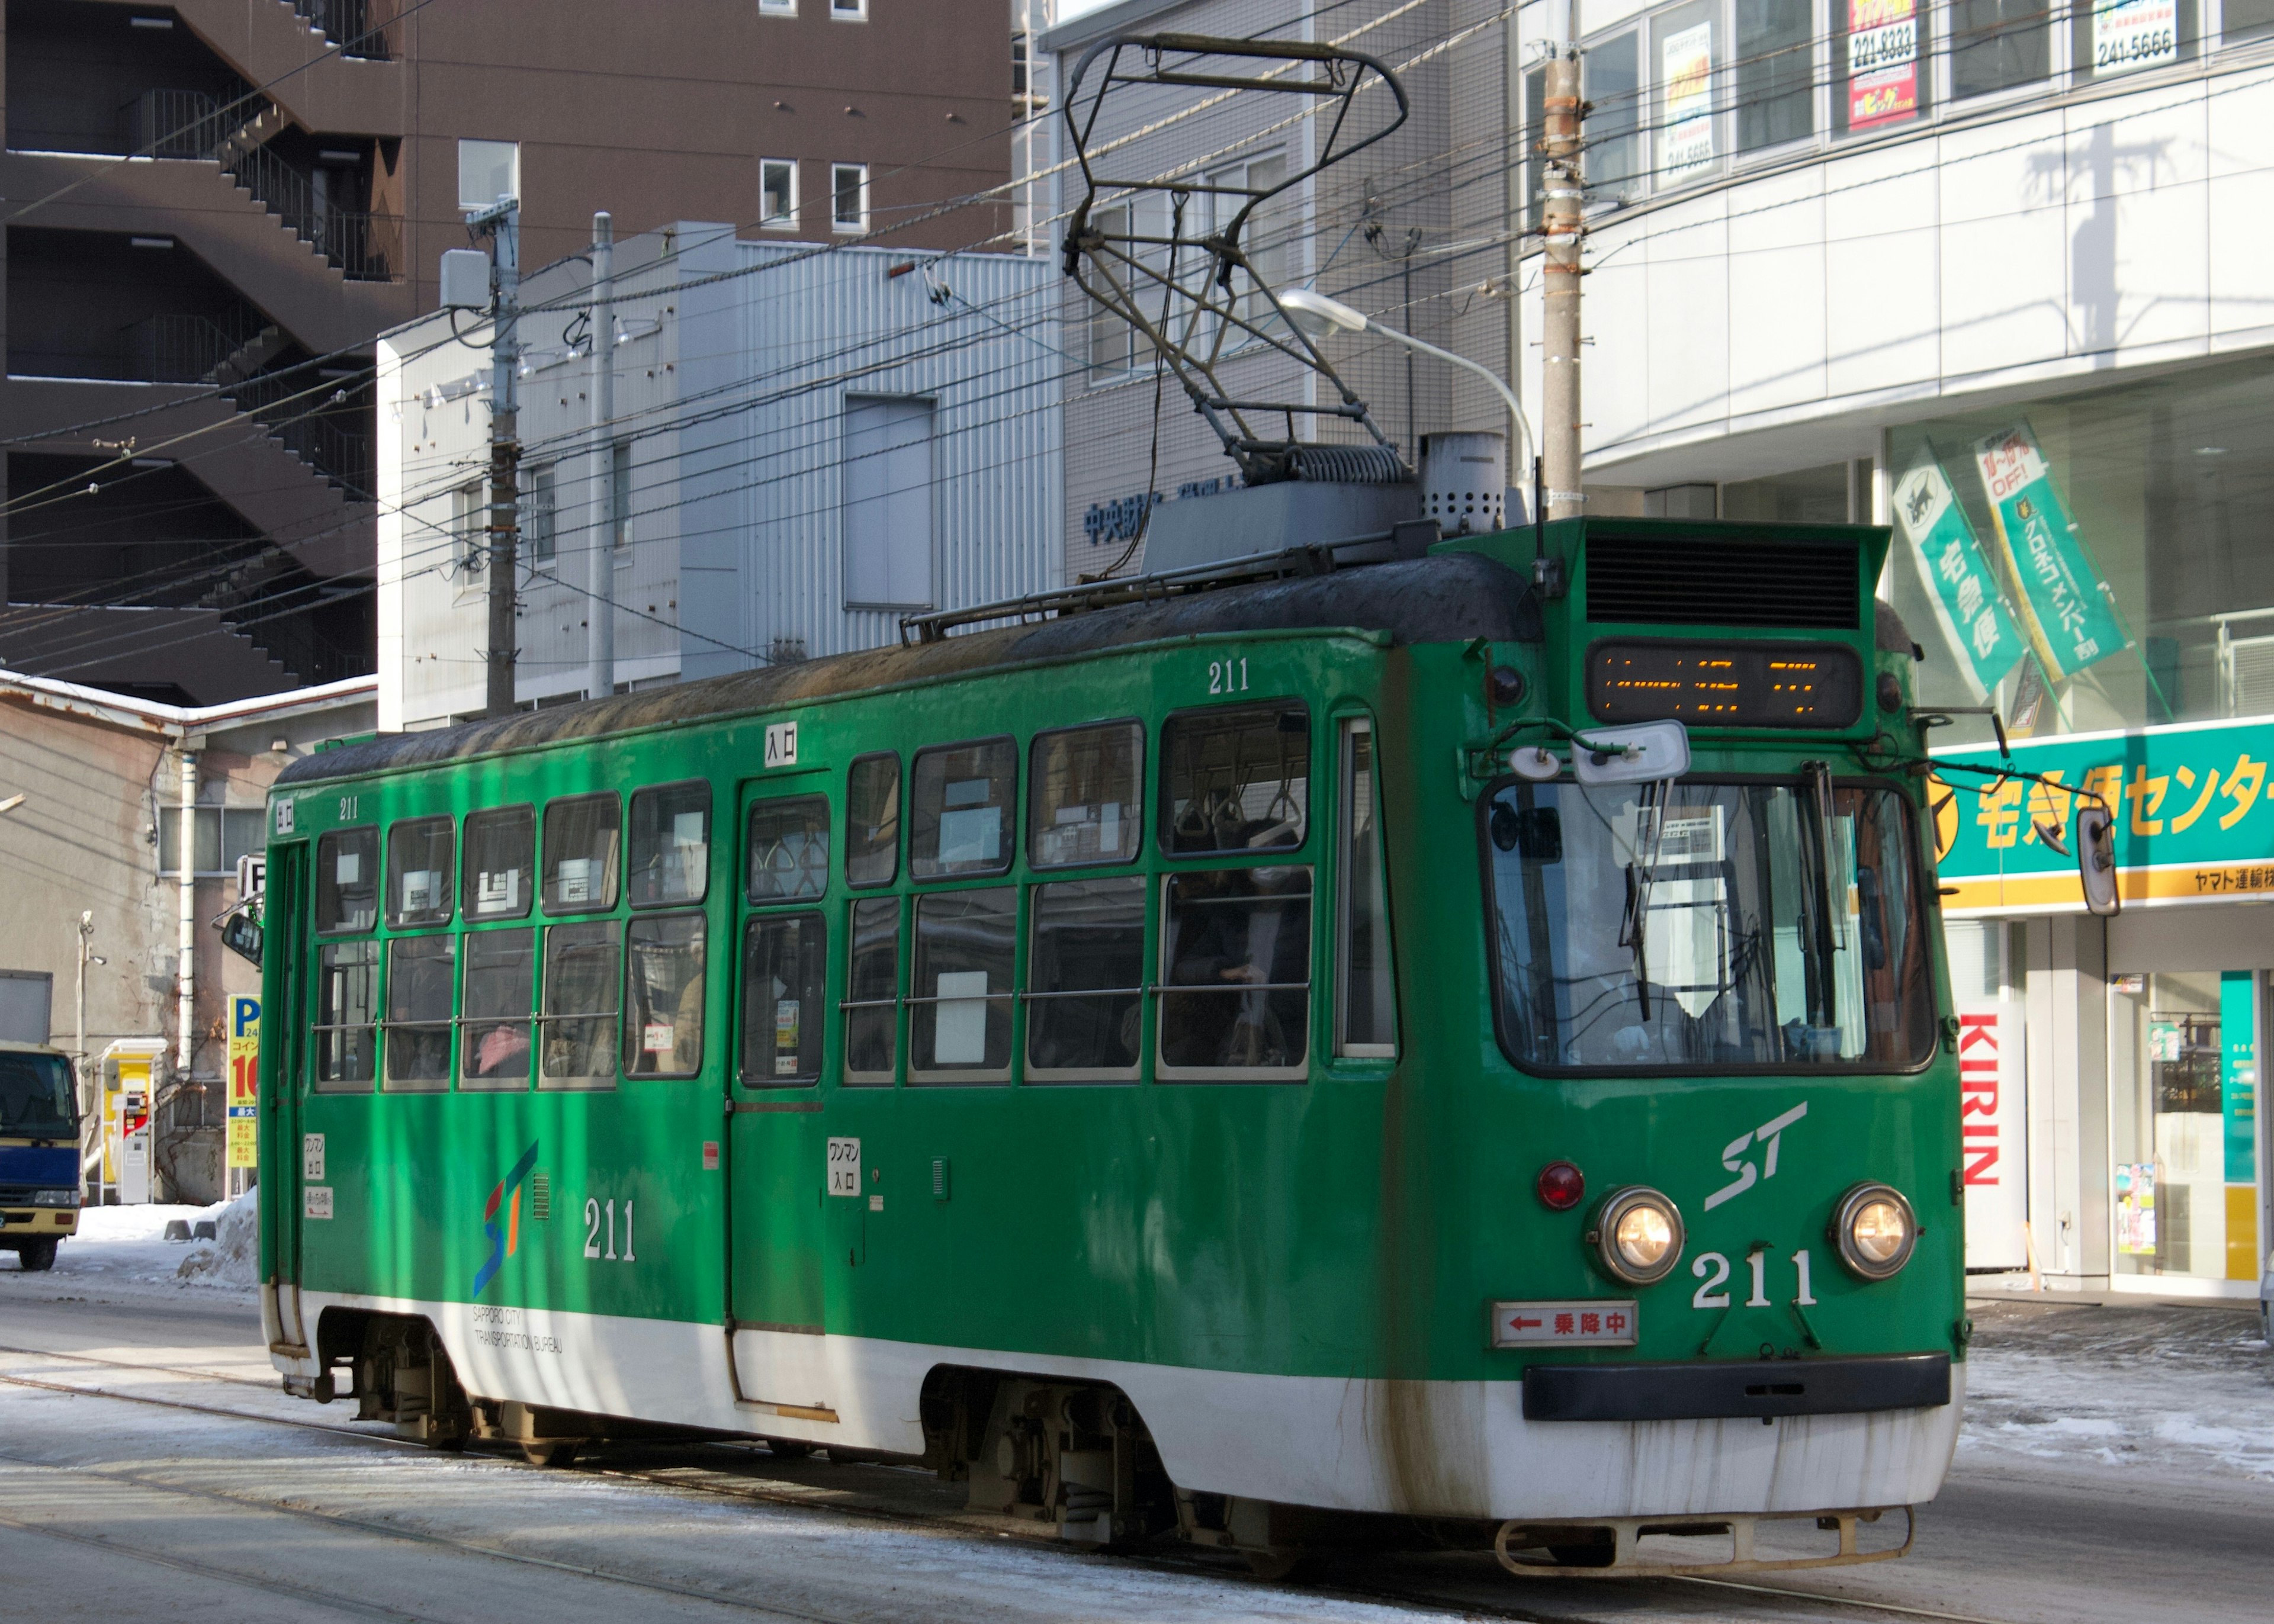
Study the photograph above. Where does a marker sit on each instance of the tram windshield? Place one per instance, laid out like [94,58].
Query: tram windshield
[35,1097]
[1745,926]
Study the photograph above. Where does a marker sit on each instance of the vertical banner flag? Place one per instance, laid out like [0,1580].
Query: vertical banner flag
[2066,604]
[1882,61]
[1685,68]
[1958,580]
[2134,33]
[1993,1133]
[244,1082]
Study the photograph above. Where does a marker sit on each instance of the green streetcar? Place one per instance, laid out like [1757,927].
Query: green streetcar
[1296,1042]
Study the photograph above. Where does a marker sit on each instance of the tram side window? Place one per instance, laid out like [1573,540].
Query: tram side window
[1083,784]
[671,845]
[1236,778]
[789,848]
[421,864]
[500,862]
[500,988]
[1085,979]
[347,1016]
[1236,951]
[1366,1024]
[421,972]
[960,797]
[872,821]
[784,963]
[583,982]
[346,881]
[959,1014]
[581,854]
[663,1022]
[872,1000]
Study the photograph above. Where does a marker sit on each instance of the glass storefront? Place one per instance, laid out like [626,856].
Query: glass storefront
[2183,1082]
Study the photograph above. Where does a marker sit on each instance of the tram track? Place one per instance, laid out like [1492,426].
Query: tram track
[722,1479]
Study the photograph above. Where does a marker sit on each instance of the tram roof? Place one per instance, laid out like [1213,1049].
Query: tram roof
[1442,598]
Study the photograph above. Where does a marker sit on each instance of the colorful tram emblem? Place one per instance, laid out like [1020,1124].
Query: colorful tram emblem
[505,1238]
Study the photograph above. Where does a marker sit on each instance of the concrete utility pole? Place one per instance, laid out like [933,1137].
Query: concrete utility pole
[1564,227]
[503,220]
[601,554]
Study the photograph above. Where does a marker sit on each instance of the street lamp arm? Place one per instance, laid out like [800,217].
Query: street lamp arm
[1515,407]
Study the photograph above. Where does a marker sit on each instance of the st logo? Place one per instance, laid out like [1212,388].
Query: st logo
[1769,1135]
[504,1234]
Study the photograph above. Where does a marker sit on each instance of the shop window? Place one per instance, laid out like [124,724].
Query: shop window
[421,979]
[2184,1063]
[347,1014]
[1366,1005]
[1235,779]
[785,962]
[581,855]
[663,1020]
[1775,73]
[671,845]
[346,881]
[789,848]
[421,860]
[2114,37]
[1236,970]
[1086,978]
[500,862]
[959,1015]
[1881,75]
[872,821]
[872,1004]
[1685,56]
[500,988]
[961,798]
[577,1028]
[1998,44]
[1084,784]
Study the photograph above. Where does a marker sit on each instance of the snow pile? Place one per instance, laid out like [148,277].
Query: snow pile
[232,1259]
[126,1247]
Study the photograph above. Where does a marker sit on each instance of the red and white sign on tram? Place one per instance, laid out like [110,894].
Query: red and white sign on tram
[1595,1322]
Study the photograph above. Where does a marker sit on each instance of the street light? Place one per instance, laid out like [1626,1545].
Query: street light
[1320,315]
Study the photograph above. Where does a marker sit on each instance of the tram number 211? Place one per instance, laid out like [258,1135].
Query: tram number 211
[597,1213]
[1713,1269]
[1228,676]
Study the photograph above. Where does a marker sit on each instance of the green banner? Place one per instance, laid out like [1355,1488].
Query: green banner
[2068,610]
[2238,1073]
[1959,581]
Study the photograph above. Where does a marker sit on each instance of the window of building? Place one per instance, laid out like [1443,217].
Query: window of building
[422,973]
[578,1025]
[347,1016]
[671,845]
[1086,979]
[470,527]
[1775,71]
[1236,972]
[1264,239]
[346,881]
[500,862]
[1686,53]
[223,834]
[888,503]
[501,991]
[872,991]
[1613,71]
[487,171]
[1112,342]
[1805,496]
[2245,19]
[1998,44]
[581,854]
[849,198]
[1085,784]
[959,1013]
[962,799]
[422,861]
[1236,778]
[789,848]
[620,495]
[777,193]
[539,515]
[849,11]
[872,820]
[1366,1020]
[2113,37]
[1881,71]
[663,1029]
[785,963]
[777,8]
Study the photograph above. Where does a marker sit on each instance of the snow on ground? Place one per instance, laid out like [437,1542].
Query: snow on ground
[126,1245]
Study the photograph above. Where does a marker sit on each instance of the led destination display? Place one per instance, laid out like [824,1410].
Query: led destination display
[1725,685]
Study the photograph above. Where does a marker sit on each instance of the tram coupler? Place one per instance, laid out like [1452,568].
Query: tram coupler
[1612,1545]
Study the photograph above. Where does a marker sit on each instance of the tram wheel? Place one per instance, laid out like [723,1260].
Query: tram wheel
[556,1452]
[1278,1564]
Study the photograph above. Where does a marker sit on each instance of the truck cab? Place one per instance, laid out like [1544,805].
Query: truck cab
[38,1153]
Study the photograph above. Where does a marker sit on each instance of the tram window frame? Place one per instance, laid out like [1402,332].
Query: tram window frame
[853,1004]
[1040,1002]
[400,836]
[936,905]
[1044,818]
[808,880]
[495,826]
[477,1026]
[873,849]
[566,806]
[651,931]
[1171,992]
[764,1035]
[1382,989]
[1169,823]
[641,866]
[996,766]
[561,940]
[331,958]
[408,960]
[329,886]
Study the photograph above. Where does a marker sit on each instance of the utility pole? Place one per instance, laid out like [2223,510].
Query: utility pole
[1564,227]
[502,221]
[600,555]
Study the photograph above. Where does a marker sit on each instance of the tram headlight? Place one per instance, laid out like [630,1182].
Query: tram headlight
[1637,1236]
[1874,1231]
